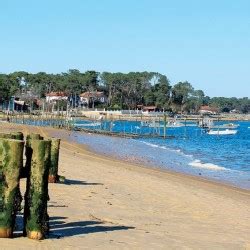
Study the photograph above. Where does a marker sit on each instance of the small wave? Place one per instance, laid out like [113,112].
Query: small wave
[178,151]
[151,145]
[211,166]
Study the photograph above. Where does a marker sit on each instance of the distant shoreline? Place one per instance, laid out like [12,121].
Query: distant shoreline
[95,115]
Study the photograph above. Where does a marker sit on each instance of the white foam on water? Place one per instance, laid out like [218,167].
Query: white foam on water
[151,145]
[166,148]
[210,166]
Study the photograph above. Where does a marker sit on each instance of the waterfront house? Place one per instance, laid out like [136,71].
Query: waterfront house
[207,110]
[53,97]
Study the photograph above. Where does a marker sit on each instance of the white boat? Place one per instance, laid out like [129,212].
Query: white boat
[222,132]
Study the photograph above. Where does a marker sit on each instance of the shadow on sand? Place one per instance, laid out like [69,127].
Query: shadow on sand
[78,182]
[60,228]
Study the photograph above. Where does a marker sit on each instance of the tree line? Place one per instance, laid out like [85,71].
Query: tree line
[123,90]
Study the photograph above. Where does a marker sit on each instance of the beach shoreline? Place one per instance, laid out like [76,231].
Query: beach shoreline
[135,163]
[125,205]
[64,134]
[225,176]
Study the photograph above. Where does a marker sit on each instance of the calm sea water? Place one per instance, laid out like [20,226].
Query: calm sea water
[222,158]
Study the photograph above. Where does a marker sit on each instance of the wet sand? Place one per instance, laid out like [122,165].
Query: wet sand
[109,204]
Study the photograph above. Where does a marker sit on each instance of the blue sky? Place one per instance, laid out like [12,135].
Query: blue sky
[204,42]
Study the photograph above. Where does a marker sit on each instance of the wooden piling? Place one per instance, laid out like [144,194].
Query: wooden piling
[6,136]
[11,159]
[18,135]
[28,153]
[36,196]
[54,159]
[165,126]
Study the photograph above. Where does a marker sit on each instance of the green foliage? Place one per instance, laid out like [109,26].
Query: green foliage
[181,95]
[241,105]
[123,90]
[60,105]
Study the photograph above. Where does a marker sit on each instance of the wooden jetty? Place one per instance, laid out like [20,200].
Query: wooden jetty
[121,134]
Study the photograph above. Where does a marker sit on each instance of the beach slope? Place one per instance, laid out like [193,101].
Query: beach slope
[110,204]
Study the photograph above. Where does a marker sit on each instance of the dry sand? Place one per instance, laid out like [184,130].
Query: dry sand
[109,204]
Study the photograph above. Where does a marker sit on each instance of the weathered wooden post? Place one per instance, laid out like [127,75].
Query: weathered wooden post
[165,126]
[54,159]
[34,136]
[28,153]
[36,196]
[6,136]
[18,135]
[11,160]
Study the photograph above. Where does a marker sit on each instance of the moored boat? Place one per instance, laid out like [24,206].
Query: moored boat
[222,132]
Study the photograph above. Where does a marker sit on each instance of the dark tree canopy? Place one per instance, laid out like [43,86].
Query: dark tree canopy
[123,90]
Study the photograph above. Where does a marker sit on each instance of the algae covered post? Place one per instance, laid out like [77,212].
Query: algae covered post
[13,135]
[6,136]
[54,158]
[36,196]
[11,158]
[28,153]
[18,136]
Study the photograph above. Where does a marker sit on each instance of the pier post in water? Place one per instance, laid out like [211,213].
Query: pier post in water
[36,196]
[11,160]
[54,159]
[165,126]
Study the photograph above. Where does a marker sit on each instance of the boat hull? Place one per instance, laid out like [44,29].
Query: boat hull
[222,132]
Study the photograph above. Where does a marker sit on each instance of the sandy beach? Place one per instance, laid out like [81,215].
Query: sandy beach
[109,204]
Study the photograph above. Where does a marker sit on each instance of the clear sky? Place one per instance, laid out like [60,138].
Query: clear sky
[206,42]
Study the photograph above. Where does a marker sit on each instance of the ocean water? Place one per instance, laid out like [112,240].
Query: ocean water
[221,158]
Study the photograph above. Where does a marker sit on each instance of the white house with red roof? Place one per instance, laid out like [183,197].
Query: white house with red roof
[53,97]
[208,110]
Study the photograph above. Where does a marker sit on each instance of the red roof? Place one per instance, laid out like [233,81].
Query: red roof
[56,94]
[207,108]
[149,107]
